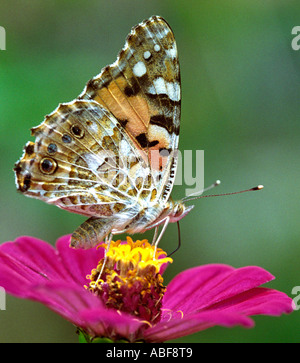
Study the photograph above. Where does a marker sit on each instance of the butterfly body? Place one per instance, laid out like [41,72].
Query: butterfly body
[111,153]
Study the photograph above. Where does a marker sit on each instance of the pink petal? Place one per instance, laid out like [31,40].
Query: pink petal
[210,295]
[227,313]
[28,261]
[34,254]
[78,262]
[68,300]
[200,287]
[176,328]
[104,323]
[256,301]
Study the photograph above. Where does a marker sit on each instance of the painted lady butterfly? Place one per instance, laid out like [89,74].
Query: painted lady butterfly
[110,154]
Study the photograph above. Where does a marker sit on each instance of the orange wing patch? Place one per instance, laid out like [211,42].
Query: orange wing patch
[132,111]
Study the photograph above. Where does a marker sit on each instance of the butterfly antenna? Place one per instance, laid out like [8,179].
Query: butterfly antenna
[215,184]
[179,240]
[259,187]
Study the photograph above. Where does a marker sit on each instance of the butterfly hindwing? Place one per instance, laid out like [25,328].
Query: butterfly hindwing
[77,161]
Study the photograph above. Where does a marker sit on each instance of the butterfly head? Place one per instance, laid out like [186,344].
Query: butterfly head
[179,210]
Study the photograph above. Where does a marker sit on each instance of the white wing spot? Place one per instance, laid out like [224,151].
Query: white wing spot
[152,90]
[157,47]
[147,54]
[160,86]
[173,91]
[172,53]
[139,69]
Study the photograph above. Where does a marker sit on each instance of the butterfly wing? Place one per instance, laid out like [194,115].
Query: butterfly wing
[77,161]
[115,145]
[142,90]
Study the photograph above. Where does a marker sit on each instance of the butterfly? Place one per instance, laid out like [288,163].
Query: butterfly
[111,153]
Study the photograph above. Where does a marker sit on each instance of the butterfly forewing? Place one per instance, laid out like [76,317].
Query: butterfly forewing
[142,90]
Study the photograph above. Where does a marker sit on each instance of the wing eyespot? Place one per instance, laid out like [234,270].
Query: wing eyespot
[48,166]
[52,148]
[67,139]
[77,131]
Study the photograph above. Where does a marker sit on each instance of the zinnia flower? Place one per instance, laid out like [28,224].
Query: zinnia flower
[128,300]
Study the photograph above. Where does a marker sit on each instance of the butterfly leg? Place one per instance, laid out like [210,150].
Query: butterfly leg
[161,233]
[155,235]
[108,240]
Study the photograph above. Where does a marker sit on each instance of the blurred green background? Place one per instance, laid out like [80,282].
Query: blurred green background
[240,104]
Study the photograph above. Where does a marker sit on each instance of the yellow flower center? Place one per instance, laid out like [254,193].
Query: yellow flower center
[130,280]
